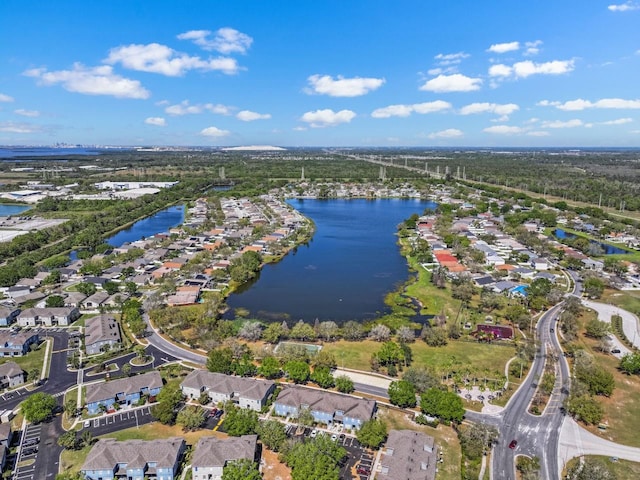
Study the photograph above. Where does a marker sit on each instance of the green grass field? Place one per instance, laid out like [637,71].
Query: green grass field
[33,359]
[623,469]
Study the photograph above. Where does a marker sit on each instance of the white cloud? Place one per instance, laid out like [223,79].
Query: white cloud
[498,109]
[532,48]
[619,121]
[156,58]
[91,81]
[500,70]
[157,121]
[406,110]
[184,108]
[448,133]
[19,127]
[27,113]
[581,104]
[5,98]
[538,133]
[342,87]
[452,83]
[249,116]
[504,130]
[451,58]
[300,129]
[327,117]
[226,40]
[624,7]
[560,124]
[554,67]
[504,47]
[214,132]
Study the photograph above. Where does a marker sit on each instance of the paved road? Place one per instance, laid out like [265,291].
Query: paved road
[154,338]
[630,323]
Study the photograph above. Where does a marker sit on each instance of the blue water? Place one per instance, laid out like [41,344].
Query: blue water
[343,274]
[606,248]
[159,223]
[6,210]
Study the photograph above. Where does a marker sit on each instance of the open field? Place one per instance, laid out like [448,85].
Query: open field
[629,300]
[623,469]
[478,356]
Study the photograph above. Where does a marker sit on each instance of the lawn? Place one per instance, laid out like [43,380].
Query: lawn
[433,299]
[33,359]
[478,356]
[446,441]
[629,300]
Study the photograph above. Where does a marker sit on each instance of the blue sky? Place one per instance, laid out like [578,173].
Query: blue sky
[320,73]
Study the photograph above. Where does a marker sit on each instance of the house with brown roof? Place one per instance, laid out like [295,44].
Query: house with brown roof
[326,407]
[11,375]
[110,459]
[124,391]
[245,392]
[100,331]
[408,455]
[211,454]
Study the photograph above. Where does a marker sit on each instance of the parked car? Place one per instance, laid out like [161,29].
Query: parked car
[615,350]
[31,441]
[334,437]
[364,470]
[313,433]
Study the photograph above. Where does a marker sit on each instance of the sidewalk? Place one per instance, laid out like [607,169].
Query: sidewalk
[364,378]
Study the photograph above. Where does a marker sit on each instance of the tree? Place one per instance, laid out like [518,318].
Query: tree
[442,404]
[69,440]
[168,399]
[240,421]
[302,331]
[305,417]
[435,336]
[630,363]
[529,467]
[38,407]
[380,333]
[270,367]
[421,378]
[405,335]
[597,329]
[584,408]
[191,418]
[322,376]
[477,439]
[126,369]
[593,287]
[250,331]
[272,434]
[70,407]
[324,359]
[86,288]
[372,433]
[297,371]
[344,384]
[34,375]
[111,287]
[273,333]
[316,459]
[402,394]
[54,301]
[243,469]
[352,330]
[390,354]
[328,330]
[220,360]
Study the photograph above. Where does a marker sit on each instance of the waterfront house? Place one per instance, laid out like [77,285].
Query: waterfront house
[249,393]
[59,316]
[326,407]
[100,333]
[110,459]
[8,316]
[11,375]
[408,455]
[122,392]
[17,344]
[211,454]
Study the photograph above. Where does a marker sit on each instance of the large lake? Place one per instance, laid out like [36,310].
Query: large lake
[343,274]
[7,210]
[157,223]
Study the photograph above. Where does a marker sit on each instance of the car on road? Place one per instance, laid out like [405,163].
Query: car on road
[334,437]
[513,444]
[313,433]
[615,350]
[87,423]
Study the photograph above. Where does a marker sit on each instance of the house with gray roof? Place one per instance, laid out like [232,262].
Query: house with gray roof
[245,392]
[326,407]
[5,434]
[99,332]
[17,344]
[408,455]
[59,316]
[8,316]
[110,459]
[124,391]
[11,375]
[93,302]
[211,454]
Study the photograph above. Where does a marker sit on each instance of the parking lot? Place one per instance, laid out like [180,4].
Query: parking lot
[118,421]
[13,394]
[358,457]
[28,453]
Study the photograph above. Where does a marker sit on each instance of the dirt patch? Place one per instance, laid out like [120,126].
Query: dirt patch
[273,469]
